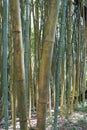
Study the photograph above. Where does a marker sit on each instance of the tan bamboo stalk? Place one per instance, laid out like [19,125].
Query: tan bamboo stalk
[19,62]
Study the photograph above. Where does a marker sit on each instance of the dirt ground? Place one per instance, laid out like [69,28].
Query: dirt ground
[76,121]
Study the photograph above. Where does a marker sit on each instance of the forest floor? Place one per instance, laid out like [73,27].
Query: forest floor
[76,121]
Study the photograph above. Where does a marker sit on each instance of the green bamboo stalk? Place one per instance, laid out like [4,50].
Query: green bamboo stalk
[5,50]
[1,58]
[1,31]
[84,52]
[73,65]
[23,18]
[84,73]
[27,48]
[62,86]
[37,48]
[68,59]
[78,59]
[83,39]
[61,45]
[12,88]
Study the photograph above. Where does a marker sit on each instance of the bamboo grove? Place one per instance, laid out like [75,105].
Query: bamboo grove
[42,60]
